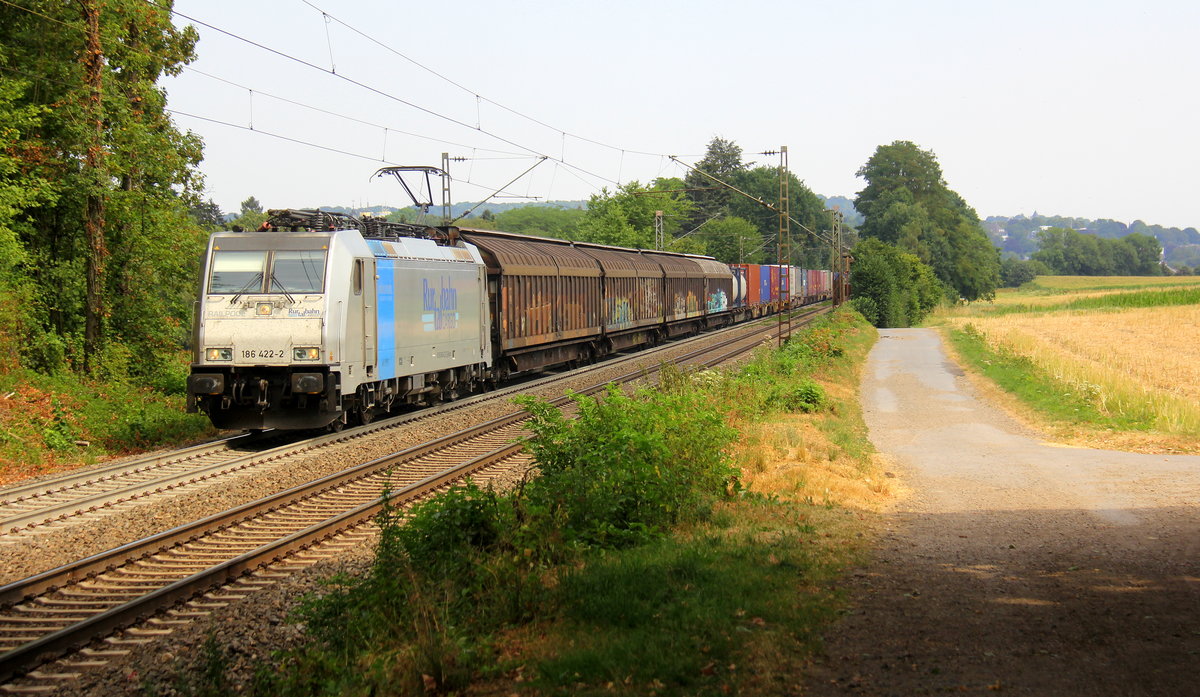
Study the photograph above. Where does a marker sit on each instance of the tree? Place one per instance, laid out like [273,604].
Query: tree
[208,215]
[723,160]
[1073,253]
[109,250]
[906,202]
[733,240]
[804,207]
[543,221]
[1147,255]
[251,217]
[625,218]
[1015,273]
[892,288]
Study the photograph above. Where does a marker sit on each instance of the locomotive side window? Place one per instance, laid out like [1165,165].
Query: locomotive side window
[237,271]
[301,271]
[357,276]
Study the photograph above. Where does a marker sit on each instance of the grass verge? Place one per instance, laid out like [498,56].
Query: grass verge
[52,423]
[679,541]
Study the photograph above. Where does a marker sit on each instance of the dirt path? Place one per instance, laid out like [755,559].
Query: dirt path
[1015,567]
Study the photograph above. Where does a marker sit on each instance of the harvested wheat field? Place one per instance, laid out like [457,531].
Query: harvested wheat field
[1143,364]
[1153,349]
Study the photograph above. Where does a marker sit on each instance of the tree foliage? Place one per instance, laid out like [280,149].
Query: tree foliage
[890,287]
[625,217]
[734,240]
[96,182]
[1019,234]
[543,221]
[804,207]
[1015,273]
[723,160]
[907,203]
[251,215]
[1073,253]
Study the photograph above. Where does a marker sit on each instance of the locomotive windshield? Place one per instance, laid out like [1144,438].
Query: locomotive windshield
[292,271]
[237,271]
[301,271]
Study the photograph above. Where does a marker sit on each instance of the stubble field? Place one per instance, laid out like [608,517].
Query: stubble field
[1100,361]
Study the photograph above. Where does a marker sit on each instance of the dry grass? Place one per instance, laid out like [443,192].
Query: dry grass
[797,461]
[794,456]
[1138,365]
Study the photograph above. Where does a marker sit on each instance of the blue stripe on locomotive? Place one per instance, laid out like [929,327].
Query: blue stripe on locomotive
[385,317]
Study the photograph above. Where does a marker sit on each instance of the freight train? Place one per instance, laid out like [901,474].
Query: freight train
[320,319]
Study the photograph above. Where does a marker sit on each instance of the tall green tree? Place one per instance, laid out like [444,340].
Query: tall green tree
[804,207]
[734,240]
[906,202]
[1073,253]
[625,217]
[543,221]
[251,216]
[108,247]
[710,200]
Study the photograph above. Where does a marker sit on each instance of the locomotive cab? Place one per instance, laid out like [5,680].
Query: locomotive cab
[265,357]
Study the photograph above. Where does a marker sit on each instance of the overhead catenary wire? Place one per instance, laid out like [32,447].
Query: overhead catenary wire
[353,119]
[827,238]
[569,167]
[318,146]
[376,90]
[475,94]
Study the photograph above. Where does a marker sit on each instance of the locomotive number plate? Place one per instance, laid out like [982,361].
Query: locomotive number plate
[263,353]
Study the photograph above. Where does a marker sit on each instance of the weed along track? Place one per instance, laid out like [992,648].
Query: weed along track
[253,545]
[74,498]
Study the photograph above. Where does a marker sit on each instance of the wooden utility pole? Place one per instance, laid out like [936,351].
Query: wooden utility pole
[93,223]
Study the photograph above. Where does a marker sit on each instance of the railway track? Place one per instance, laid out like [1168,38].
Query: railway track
[57,611]
[68,499]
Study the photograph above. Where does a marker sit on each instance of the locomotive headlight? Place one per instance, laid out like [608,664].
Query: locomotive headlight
[219,354]
[306,353]
[264,309]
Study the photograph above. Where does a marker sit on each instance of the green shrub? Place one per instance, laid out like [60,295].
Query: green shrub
[807,397]
[625,468]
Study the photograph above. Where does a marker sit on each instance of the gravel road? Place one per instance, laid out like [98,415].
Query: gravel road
[1015,566]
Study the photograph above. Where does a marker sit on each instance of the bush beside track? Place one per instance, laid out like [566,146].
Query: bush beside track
[676,541]
[50,423]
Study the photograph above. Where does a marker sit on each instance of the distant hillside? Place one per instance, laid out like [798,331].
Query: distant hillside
[1018,234]
[850,214]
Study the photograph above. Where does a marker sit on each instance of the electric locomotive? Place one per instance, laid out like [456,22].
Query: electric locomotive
[321,319]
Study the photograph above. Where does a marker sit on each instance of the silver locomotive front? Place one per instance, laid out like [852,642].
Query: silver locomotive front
[263,349]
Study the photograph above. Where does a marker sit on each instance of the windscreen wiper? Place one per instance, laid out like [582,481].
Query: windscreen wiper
[256,279]
[277,282]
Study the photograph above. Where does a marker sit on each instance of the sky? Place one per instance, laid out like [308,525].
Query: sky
[1080,108]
